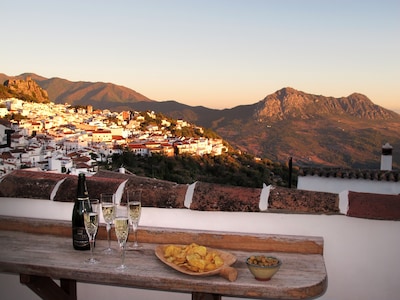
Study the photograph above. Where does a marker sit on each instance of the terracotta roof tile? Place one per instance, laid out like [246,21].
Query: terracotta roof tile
[206,196]
[29,184]
[156,193]
[352,174]
[6,155]
[294,200]
[374,206]
[214,197]
[67,190]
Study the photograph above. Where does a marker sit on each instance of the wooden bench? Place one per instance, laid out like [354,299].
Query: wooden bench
[41,250]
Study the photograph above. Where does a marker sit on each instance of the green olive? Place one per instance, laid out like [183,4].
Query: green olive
[262,261]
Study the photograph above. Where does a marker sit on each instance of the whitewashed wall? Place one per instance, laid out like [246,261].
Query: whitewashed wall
[337,185]
[361,255]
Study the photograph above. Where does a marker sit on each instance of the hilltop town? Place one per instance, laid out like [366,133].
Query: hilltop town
[65,139]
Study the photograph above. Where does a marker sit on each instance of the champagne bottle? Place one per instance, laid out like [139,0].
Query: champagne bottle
[80,239]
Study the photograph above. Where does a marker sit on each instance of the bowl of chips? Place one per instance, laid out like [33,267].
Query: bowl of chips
[263,267]
[197,260]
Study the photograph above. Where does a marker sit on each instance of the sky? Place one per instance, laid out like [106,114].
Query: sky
[214,53]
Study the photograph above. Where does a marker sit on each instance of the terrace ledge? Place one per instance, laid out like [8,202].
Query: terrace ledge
[202,196]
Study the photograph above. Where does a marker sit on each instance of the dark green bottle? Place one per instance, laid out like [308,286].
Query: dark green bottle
[80,239]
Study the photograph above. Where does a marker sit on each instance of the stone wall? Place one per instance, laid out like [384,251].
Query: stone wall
[200,196]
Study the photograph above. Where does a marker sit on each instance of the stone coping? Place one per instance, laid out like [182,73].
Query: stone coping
[200,195]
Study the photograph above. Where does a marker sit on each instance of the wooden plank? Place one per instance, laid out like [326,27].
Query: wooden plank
[47,289]
[202,296]
[301,275]
[236,241]
[69,286]
[222,240]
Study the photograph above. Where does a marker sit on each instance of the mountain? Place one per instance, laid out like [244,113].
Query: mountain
[24,89]
[289,103]
[312,129]
[99,94]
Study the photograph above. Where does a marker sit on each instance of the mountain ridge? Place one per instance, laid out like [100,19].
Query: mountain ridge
[100,94]
[288,102]
[313,129]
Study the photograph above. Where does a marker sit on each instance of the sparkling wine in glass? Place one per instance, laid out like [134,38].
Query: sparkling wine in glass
[121,226]
[91,220]
[109,211]
[134,208]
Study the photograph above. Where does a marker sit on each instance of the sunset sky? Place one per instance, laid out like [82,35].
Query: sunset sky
[215,53]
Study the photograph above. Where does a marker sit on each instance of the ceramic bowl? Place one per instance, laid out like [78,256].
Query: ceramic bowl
[263,267]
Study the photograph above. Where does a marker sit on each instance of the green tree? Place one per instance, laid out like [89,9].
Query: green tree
[230,169]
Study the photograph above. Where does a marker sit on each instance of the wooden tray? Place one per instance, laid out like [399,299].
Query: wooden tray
[225,270]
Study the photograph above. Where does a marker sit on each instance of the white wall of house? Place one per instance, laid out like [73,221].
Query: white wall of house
[55,164]
[2,131]
[3,112]
[361,255]
[337,185]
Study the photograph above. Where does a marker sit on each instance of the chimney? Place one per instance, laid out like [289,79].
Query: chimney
[122,170]
[386,157]
[8,132]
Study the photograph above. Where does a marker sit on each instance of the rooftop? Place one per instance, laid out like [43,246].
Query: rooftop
[381,175]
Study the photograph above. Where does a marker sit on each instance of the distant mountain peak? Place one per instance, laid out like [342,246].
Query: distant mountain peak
[291,103]
[287,91]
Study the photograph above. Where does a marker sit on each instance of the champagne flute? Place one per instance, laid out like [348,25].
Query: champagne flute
[91,220]
[134,208]
[108,210]
[121,226]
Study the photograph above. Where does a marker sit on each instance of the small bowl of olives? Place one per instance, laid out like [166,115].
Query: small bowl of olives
[263,267]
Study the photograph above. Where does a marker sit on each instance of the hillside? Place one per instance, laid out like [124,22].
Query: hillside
[313,129]
[99,94]
[24,89]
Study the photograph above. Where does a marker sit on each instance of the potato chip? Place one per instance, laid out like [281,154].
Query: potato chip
[218,261]
[201,250]
[195,258]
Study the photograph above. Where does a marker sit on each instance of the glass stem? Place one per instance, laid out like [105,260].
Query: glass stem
[91,243]
[123,254]
[108,227]
[135,235]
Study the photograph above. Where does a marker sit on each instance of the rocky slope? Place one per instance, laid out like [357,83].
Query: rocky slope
[26,89]
[289,103]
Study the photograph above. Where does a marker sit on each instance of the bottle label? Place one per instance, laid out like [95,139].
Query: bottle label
[80,238]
